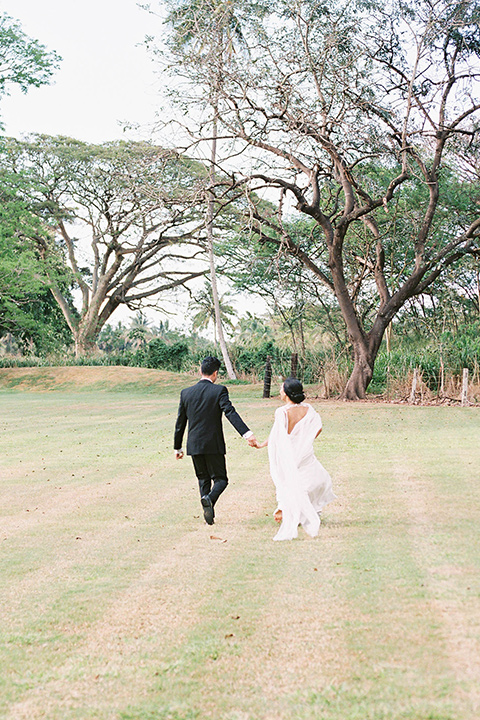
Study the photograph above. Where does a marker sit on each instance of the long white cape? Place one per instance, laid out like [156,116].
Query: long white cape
[303,485]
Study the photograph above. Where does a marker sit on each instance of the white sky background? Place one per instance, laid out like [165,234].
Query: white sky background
[106,78]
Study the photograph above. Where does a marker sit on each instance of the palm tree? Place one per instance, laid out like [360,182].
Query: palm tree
[253,330]
[139,330]
[207,312]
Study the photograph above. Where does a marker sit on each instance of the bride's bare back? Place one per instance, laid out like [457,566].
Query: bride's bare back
[295,413]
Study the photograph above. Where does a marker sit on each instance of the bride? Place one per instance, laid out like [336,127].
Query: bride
[303,485]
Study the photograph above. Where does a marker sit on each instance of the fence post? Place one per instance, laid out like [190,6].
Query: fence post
[440,383]
[465,387]
[267,378]
[414,386]
[294,365]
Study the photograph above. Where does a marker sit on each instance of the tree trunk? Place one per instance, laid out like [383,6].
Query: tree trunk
[84,345]
[267,379]
[294,365]
[365,347]
[211,255]
[86,336]
[362,373]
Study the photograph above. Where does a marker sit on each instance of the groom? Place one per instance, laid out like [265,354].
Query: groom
[202,405]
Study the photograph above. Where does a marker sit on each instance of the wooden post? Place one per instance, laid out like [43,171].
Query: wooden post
[326,384]
[478,288]
[267,378]
[441,383]
[388,337]
[414,386]
[465,387]
[294,365]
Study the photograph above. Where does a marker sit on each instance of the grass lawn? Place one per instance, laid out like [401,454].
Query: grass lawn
[117,602]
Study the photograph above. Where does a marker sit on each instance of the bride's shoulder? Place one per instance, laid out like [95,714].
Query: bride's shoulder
[311,410]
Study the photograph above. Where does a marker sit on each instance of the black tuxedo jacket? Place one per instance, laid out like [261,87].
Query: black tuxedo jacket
[202,405]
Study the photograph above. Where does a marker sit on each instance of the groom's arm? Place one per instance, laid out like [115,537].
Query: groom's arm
[180,426]
[234,418]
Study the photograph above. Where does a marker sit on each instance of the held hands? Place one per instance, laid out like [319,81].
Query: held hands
[253,442]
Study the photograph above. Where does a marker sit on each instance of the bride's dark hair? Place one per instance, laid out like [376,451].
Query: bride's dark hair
[293,389]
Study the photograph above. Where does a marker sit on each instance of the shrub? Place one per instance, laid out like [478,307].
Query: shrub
[462,350]
[159,354]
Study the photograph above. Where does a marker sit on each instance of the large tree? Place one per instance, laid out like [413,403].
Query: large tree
[28,311]
[201,44]
[24,63]
[122,224]
[326,92]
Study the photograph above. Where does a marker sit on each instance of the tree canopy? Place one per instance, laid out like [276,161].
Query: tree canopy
[119,220]
[25,304]
[24,62]
[349,110]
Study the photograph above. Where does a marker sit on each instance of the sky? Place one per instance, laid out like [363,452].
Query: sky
[106,76]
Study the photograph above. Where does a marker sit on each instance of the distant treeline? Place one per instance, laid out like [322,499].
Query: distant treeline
[437,360]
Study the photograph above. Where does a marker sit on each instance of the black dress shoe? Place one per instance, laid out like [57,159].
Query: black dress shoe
[208,513]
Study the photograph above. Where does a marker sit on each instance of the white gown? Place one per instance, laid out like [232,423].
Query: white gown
[303,485]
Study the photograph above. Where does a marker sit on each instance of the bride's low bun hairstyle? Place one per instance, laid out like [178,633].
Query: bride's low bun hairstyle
[293,389]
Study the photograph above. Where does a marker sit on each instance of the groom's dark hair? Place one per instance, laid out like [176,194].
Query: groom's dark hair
[210,365]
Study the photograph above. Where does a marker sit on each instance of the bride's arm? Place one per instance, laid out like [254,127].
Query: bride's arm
[280,418]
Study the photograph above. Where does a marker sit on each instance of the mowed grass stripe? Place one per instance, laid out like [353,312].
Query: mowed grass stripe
[192,579]
[401,669]
[174,508]
[57,572]
[182,626]
[444,503]
[407,612]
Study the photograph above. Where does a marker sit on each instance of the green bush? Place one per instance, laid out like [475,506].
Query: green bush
[251,360]
[462,350]
[161,355]
[396,365]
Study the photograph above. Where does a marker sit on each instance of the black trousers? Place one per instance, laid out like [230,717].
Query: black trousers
[211,472]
